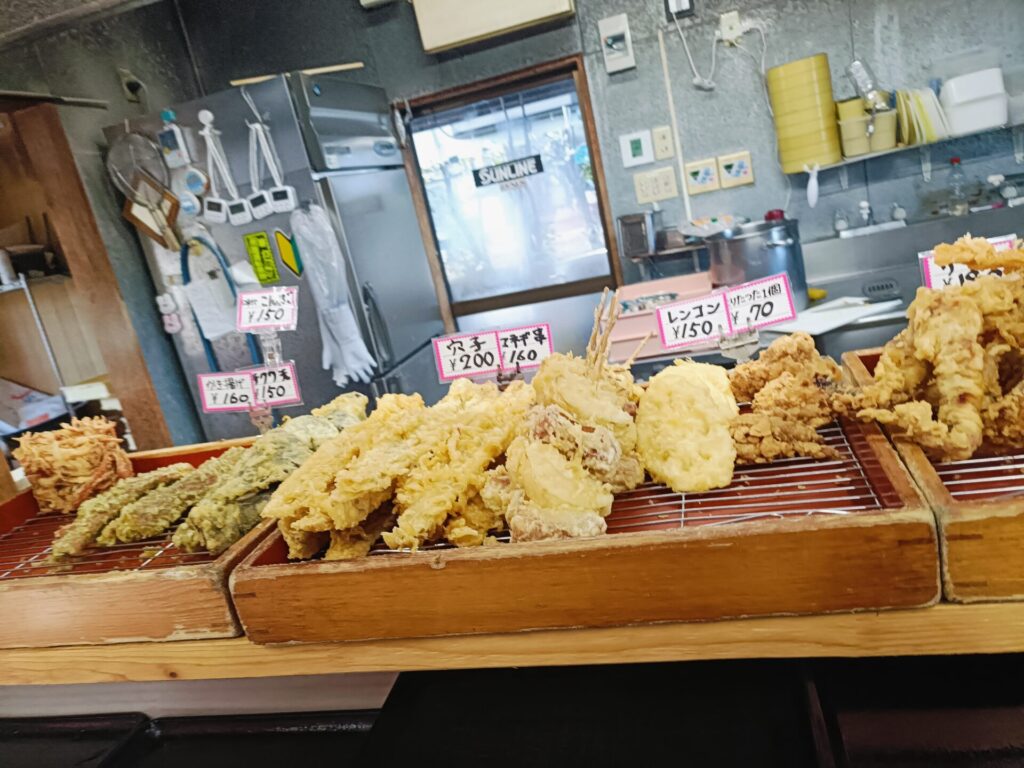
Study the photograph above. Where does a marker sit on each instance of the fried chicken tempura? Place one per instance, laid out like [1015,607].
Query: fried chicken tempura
[80,534]
[794,354]
[452,469]
[795,398]
[979,253]
[69,465]
[683,426]
[762,438]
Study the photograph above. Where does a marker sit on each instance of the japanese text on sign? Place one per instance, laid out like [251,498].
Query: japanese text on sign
[276,385]
[220,392]
[694,321]
[761,303]
[261,256]
[526,347]
[467,355]
[957,274]
[275,309]
[705,320]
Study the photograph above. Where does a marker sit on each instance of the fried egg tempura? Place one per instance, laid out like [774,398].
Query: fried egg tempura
[683,427]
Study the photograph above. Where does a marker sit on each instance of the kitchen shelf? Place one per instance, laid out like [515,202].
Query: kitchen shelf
[939,630]
[846,162]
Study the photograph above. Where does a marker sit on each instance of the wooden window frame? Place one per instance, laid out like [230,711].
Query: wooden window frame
[450,98]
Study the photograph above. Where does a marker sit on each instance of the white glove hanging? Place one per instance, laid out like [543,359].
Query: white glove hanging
[344,351]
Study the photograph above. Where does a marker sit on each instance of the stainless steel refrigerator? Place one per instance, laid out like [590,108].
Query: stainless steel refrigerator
[337,149]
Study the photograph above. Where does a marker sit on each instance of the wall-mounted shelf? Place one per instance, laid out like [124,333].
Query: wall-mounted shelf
[925,150]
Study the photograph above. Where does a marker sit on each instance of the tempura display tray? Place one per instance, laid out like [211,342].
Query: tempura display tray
[133,592]
[979,507]
[794,537]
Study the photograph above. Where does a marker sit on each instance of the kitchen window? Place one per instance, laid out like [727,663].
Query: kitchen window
[511,180]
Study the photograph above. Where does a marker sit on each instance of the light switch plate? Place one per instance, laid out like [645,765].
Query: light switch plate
[735,170]
[637,148]
[677,9]
[664,147]
[659,184]
[616,43]
[702,176]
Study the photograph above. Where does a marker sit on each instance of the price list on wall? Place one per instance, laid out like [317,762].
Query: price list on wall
[750,306]
[275,385]
[488,353]
[274,309]
[225,392]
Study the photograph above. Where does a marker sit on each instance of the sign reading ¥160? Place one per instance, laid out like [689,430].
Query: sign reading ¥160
[513,170]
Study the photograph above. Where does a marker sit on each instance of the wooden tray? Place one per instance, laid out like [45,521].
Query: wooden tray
[762,546]
[979,506]
[133,592]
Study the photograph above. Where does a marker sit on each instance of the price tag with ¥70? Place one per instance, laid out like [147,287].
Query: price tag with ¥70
[273,309]
[937,277]
[276,385]
[761,303]
[525,347]
[467,355]
[695,321]
[222,392]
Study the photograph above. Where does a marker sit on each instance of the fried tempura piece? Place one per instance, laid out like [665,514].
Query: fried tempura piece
[358,541]
[795,398]
[348,477]
[683,426]
[794,354]
[77,536]
[159,509]
[899,376]
[978,253]
[529,522]
[761,438]
[451,470]
[1003,420]
[471,527]
[71,464]
[216,525]
[551,481]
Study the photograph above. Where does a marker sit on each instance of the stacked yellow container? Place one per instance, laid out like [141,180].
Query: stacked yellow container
[805,115]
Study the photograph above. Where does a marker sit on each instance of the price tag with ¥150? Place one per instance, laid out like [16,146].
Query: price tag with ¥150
[223,392]
[276,385]
[273,309]
[525,347]
[695,321]
[760,303]
[472,355]
[937,277]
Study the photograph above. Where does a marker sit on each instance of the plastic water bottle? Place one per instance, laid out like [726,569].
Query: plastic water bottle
[958,205]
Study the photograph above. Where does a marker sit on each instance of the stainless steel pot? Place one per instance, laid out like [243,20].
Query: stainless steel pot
[759,249]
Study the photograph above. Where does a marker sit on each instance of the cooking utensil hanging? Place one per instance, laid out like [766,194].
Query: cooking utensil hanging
[136,167]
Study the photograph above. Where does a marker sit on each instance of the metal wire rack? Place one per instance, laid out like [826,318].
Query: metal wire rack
[25,552]
[984,478]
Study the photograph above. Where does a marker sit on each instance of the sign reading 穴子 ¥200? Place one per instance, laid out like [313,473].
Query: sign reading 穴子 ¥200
[513,170]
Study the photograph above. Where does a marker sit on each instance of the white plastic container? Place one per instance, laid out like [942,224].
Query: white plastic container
[975,102]
[973,87]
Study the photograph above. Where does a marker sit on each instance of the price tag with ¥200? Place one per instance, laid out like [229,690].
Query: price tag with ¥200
[525,347]
[937,277]
[467,355]
[694,321]
[272,309]
[276,385]
[761,303]
[222,392]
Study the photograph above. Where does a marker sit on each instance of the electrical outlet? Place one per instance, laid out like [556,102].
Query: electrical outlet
[652,186]
[731,27]
[677,9]
[664,147]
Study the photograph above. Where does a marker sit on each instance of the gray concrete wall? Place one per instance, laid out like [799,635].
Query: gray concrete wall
[83,62]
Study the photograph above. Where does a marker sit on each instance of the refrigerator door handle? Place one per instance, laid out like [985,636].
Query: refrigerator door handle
[378,326]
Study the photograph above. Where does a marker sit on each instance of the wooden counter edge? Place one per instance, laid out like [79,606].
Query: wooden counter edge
[939,630]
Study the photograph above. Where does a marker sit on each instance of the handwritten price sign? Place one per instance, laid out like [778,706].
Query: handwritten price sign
[222,392]
[275,309]
[753,305]
[937,277]
[276,385]
[467,355]
[695,321]
[526,347]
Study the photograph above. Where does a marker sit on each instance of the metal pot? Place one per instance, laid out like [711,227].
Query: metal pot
[761,248]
